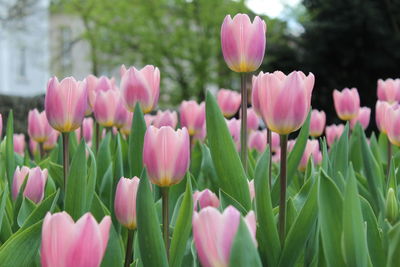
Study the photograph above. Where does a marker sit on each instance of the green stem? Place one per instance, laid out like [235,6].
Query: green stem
[389,158]
[41,151]
[165,217]
[65,139]
[269,143]
[282,201]
[129,248]
[243,128]
[97,126]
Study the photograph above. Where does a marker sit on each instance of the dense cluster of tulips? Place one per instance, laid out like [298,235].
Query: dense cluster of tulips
[208,186]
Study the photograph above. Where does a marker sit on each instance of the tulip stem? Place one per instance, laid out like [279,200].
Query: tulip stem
[165,215]
[129,248]
[389,157]
[269,143]
[282,202]
[243,127]
[41,151]
[97,126]
[65,139]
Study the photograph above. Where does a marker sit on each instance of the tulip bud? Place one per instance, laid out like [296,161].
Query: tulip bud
[51,142]
[65,104]
[252,120]
[87,129]
[392,207]
[275,142]
[121,114]
[380,115]
[311,150]
[19,144]
[243,42]
[333,132]
[125,202]
[228,102]
[34,189]
[193,116]
[205,198]
[80,244]
[281,113]
[105,107]
[166,155]
[214,233]
[141,86]
[258,140]
[317,123]
[363,117]
[392,124]
[38,127]
[234,128]
[165,118]
[389,90]
[347,103]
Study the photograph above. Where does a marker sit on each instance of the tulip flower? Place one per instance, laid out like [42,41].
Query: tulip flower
[19,144]
[317,123]
[228,102]
[251,189]
[311,150]
[166,155]
[105,107]
[65,104]
[149,119]
[126,128]
[34,189]
[392,124]
[333,132]
[201,135]
[275,142]
[347,103]
[243,42]
[51,142]
[252,120]
[141,86]
[193,116]
[389,90]
[96,85]
[80,244]
[87,129]
[258,140]
[214,233]
[38,127]
[125,202]
[234,128]
[363,117]
[165,118]
[121,114]
[33,146]
[205,198]
[380,114]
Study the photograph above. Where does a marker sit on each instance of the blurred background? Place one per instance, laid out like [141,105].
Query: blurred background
[345,43]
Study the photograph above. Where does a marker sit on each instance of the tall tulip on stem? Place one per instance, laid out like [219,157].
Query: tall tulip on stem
[243,47]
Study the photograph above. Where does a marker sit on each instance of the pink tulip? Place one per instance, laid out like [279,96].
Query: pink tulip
[166,118]
[126,129]
[363,117]
[105,106]
[141,86]
[347,103]
[33,146]
[252,120]
[380,114]
[234,128]
[39,128]
[317,123]
[214,233]
[166,154]
[95,85]
[255,99]
[228,102]
[125,202]
[258,140]
[333,132]
[205,198]
[311,150]
[392,124]
[149,119]
[243,42]
[281,113]
[200,136]
[276,156]
[67,244]
[121,114]
[87,129]
[65,104]
[275,142]
[193,116]
[34,189]
[389,90]
[19,144]
[251,189]
[51,142]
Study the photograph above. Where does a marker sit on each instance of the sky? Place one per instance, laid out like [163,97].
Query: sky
[271,8]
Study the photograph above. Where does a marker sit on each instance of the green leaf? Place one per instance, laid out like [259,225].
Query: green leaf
[243,252]
[10,159]
[354,240]
[103,158]
[196,159]
[75,195]
[227,200]
[330,223]
[92,177]
[232,177]
[136,140]
[355,149]
[300,231]
[394,246]
[152,249]
[340,157]
[26,209]
[267,233]
[182,227]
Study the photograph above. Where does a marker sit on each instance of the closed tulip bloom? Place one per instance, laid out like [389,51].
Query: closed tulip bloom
[333,132]
[19,144]
[284,100]
[166,154]
[121,114]
[380,114]
[392,124]
[125,202]
[317,123]
[243,42]
[38,127]
[67,244]
[126,129]
[51,142]
[252,120]
[311,150]
[205,198]
[234,128]
[105,107]
[166,118]
[214,233]
[389,90]
[193,116]
[347,103]
[275,142]
[33,146]
[363,118]
[228,102]
[95,85]
[258,140]
[255,99]
[34,188]
[87,129]
[141,86]
[65,104]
